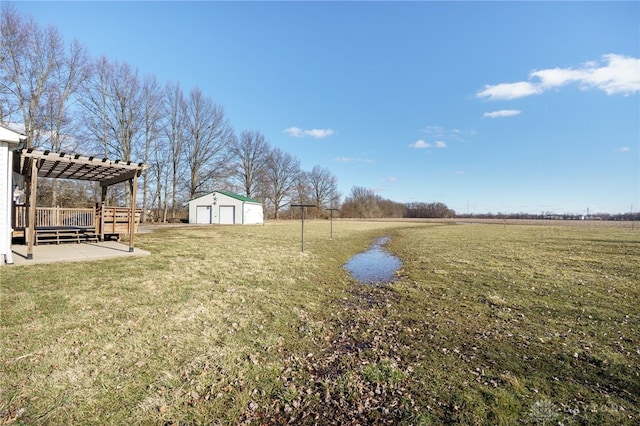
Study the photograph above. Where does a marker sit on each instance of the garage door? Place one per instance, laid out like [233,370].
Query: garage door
[203,214]
[227,215]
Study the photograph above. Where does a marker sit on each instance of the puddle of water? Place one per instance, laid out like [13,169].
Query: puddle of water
[374,266]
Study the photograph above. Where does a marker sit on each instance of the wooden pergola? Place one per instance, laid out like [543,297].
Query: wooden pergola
[32,164]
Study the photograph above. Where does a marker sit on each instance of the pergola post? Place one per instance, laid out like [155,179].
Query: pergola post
[103,202]
[133,183]
[33,183]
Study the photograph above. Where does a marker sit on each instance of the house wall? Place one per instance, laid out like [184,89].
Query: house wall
[5,204]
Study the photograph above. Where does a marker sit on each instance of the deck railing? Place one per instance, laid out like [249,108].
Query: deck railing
[112,220]
[115,220]
[55,217]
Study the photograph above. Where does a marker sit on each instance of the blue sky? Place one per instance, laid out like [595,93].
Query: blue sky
[485,106]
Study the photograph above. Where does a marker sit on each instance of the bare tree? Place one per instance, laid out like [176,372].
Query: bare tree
[175,122]
[302,190]
[127,112]
[70,71]
[209,136]
[160,170]
[114,110]
[428,210]
[301,193]
[113,106]
[282,171]
[29,56]
[365,203]
[324,187]
[95,100]
[250,153]
[153,111]
[59,127]
[361,203]
[14,39]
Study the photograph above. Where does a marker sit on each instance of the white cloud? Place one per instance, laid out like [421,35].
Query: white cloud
[502,113]
[392,179]
[343,159]
[319,133]
[435,131]
[440,133]
[508,91]
[624,149]
[297,132]
[618,75]
[352,160]
[420,144]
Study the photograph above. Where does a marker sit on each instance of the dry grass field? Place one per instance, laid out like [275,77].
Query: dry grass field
[487,324]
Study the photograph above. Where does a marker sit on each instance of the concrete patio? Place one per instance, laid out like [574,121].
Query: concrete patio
[48,253]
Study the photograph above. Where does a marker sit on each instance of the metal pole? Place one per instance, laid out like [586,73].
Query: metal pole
[302,208]
[331,210]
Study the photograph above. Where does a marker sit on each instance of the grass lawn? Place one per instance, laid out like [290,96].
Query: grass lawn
[487,324]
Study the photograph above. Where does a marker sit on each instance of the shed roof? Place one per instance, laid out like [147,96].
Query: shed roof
[230,194]
[238,197]
[66,166]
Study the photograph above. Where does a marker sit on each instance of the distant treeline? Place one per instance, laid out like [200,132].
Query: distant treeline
[553,216]
[364,203]
[428,210]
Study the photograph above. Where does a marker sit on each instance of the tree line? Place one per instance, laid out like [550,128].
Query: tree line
[66,101]
[364,203]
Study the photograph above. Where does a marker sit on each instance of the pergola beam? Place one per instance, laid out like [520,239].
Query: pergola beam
[120,178]
[75,167]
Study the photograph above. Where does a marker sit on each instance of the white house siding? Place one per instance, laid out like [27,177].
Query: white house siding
[9,141]
[5,204]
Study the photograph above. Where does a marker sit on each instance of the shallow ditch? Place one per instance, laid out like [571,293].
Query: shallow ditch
[374,266]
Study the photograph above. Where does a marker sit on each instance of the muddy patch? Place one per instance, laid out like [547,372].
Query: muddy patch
[374,266]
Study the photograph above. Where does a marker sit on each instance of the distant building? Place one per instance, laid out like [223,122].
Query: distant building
[225,208]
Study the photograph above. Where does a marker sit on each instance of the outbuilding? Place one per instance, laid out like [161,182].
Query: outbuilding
[9,141]
[225,208]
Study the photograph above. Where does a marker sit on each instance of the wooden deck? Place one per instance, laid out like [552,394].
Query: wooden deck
[61,225]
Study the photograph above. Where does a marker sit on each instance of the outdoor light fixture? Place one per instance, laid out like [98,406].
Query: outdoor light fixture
[215,200]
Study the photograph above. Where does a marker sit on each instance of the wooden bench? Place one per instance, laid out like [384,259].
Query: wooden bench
[57,235]
[89,236]
[64,235]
